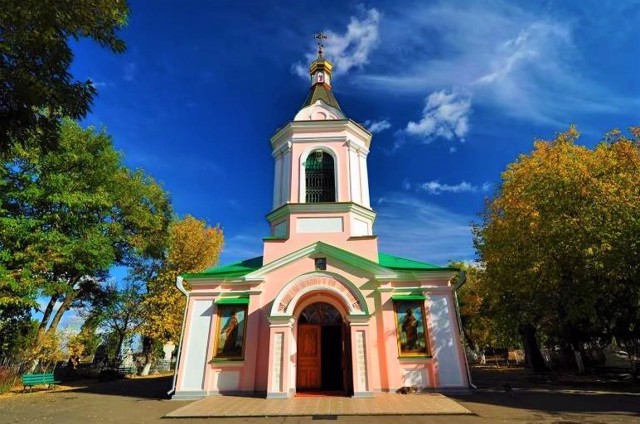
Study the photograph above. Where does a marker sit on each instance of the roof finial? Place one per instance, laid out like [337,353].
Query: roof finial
[320,36]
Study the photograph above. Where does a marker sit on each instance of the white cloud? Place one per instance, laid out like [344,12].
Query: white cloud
[523,63]
[436,187]
[527,48]
[377,126]
[444,115]
[350,49]
[413,228]
[98,84]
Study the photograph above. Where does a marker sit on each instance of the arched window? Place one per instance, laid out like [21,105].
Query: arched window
[320,313]
[319,179]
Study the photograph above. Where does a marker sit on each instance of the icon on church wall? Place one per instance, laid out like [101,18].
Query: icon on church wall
[411,328]
[230,332]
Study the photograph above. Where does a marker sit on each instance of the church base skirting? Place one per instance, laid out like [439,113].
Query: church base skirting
[195,395]
[189,395]
[278,395]
[362,395]
[199,394]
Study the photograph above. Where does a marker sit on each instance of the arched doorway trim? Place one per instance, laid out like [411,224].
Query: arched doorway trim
[286,301]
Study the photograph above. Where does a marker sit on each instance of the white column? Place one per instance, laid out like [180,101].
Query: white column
[277,182]
[286,176]
[278,355]
[361,357]
[354,176]
[361,362]
[280,364]
[364,179]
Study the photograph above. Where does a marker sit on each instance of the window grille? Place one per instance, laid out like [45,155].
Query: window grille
[320,180]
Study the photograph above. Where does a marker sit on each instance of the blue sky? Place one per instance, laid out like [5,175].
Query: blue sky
[452,90]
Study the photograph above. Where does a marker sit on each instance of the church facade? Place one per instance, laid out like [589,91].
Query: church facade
[322,310]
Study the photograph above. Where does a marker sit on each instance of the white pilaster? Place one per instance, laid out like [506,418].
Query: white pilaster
[277,183]
[286,176]
[364,179]
[278,355]
[446,350]
[195,351]
[361,362]
[354,177]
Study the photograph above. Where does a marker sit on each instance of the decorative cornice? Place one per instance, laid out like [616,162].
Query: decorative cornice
[282,149]
[294,129]
[358,320]
[281,321]
[377,271]
[314,208]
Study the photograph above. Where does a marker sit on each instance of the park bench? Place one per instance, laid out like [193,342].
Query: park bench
[125,371]
[30,380]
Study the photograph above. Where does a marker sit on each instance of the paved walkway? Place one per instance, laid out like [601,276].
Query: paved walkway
[381,404]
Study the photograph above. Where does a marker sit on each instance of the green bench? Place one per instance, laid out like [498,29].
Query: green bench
[125,371]
[30,380]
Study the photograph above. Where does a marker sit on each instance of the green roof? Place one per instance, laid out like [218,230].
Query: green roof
[321,91]
[239,269]
[403,264]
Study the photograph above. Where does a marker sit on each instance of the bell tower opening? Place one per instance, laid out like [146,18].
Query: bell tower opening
[323,350]
[320,178]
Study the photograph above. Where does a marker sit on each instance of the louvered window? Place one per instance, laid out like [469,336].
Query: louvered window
[320,179]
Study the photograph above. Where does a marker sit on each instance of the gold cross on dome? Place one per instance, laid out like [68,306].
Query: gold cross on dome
[320,36]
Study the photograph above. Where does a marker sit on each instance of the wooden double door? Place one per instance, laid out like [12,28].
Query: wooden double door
[324,358]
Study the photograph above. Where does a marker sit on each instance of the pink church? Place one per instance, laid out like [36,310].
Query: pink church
[322,310]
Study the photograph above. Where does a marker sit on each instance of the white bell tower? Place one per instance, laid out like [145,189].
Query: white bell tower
[321,185]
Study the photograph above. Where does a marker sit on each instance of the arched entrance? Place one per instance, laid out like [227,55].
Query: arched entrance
[323,351]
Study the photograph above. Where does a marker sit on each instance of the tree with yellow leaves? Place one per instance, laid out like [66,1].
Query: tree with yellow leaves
[559,243]
[192,247]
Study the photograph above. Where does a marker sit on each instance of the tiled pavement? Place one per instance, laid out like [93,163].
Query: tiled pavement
[380,404]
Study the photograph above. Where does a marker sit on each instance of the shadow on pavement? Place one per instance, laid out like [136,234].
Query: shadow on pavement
[557,403]
[547,393]
[143,388]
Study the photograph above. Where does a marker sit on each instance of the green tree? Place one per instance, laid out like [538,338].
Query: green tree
[69,214]
[17,331]
[122,315]
[479,325]
[37,89]
[557,241]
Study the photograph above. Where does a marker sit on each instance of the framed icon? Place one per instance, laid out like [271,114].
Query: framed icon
[411,328]
[231,332]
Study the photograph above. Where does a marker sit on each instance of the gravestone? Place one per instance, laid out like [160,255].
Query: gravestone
[168,349]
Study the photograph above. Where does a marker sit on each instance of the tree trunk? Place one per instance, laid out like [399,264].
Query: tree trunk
[47,313]
[579,362]
[119,348]
[147,349]
[66,303]
[533,356]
